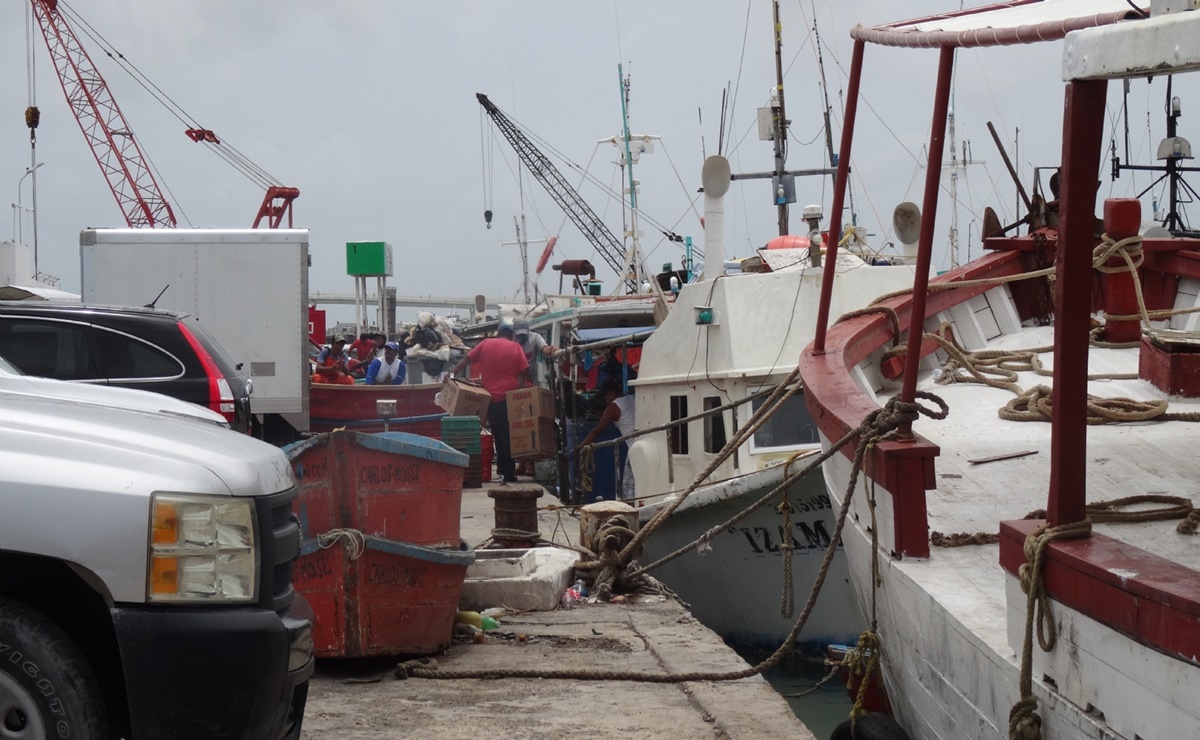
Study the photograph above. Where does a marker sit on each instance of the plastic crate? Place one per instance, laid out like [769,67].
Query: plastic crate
[462,433]
[473,475]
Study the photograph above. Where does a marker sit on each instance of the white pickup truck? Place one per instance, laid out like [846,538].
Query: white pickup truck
[145,570]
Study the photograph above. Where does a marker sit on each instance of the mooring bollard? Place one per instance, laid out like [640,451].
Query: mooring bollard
[516,515]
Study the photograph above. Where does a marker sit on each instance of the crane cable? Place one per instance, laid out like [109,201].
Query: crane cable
[222,148]
[485,157]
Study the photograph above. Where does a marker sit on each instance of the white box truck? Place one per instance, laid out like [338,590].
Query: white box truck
[247,287]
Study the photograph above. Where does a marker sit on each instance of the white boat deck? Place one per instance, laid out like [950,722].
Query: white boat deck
[1161,457]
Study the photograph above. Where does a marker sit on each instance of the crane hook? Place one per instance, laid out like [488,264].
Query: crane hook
[487,218]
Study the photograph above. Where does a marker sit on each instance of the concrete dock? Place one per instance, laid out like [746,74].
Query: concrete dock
[361,700]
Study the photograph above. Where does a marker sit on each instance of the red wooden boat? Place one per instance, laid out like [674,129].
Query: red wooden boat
[353,407]
[381,561]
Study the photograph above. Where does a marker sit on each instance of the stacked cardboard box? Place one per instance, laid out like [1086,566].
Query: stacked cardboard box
[531,423]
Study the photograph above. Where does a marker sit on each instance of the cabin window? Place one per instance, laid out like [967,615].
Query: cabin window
[679,434]
[714,426]
[790,425]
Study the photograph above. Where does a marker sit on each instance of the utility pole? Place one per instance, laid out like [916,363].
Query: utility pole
[781,125]
[773,125]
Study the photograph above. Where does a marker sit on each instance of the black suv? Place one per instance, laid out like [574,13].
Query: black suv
[140,348]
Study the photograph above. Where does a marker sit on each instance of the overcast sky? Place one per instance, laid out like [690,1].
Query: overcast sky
[368,107]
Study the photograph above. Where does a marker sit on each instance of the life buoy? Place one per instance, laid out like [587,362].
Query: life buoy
[541,265]
[870,726]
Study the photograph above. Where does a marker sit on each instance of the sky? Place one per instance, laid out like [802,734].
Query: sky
[369,108]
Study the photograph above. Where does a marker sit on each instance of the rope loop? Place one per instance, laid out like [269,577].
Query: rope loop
[787,598]
[354,541]
[1023,721]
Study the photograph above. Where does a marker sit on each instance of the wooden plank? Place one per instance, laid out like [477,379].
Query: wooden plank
[1006,456]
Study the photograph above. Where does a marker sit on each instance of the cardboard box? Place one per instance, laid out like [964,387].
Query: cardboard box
[531,439]
[530,403]
[460,398]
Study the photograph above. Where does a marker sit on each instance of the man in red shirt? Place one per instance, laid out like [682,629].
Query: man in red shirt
[502,367]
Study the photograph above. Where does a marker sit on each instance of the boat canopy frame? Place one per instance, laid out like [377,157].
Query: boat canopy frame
[1015,22]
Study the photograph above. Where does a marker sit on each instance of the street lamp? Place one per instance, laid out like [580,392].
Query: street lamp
[20,204]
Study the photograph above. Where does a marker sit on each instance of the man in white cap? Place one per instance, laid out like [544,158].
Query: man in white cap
[532,343]
[389,369]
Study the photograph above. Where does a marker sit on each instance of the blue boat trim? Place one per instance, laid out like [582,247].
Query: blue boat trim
[414,445]
[320,420]
[463,555]
[397,443]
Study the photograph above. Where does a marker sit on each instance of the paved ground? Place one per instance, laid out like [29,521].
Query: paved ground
[361,700]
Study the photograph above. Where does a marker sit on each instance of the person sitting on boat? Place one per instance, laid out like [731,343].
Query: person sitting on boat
[619,411]
[333,364]
[380,339]
[502,368]
[361,351]
[388,370]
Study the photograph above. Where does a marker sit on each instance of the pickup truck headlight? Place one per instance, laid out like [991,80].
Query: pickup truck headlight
[201,549]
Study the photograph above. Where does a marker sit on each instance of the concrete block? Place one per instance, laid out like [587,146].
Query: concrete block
[539,588]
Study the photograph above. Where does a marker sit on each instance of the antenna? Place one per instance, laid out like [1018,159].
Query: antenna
[160,295]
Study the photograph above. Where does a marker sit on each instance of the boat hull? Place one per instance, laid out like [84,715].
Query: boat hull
[353,407]
[735,590]
[953,674]
[381,561]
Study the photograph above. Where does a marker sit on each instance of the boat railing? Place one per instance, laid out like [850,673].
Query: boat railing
[680,422]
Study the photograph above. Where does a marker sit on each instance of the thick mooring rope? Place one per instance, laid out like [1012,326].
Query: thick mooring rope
[1023,720]
[878,424]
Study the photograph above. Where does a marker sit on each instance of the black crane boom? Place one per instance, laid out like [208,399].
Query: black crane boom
[601,237]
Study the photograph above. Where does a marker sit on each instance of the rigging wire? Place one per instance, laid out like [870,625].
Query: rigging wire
[223,148]
[741,59]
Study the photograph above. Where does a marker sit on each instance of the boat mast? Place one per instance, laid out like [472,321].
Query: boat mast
[523,245]
[781,124]
[953,147]
[633,255]
[825,94]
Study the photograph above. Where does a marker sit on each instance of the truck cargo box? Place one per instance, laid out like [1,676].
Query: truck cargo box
[247,287]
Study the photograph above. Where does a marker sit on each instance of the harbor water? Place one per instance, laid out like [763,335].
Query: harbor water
[821,710]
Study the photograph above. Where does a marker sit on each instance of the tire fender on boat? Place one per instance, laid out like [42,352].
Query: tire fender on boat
[871,726]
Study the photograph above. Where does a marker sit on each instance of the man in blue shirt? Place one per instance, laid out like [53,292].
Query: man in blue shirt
[389,369]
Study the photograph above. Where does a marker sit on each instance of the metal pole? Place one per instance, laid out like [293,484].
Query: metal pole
[933,176]
[780,119]
[839,197]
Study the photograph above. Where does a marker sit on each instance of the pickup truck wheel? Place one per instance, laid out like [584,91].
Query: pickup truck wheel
[47,689]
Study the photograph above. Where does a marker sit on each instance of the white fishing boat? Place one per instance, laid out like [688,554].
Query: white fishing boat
[1082,620]
[729,340]
[756,325]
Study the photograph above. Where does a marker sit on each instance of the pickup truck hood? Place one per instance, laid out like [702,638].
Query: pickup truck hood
[131,444]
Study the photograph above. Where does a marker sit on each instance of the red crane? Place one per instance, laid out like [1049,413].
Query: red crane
[112,141]
[103,125]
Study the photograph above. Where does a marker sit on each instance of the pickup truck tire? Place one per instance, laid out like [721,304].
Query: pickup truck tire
[47,688]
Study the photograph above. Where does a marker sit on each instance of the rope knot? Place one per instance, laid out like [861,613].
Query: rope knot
[1129,249]
[354,540]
